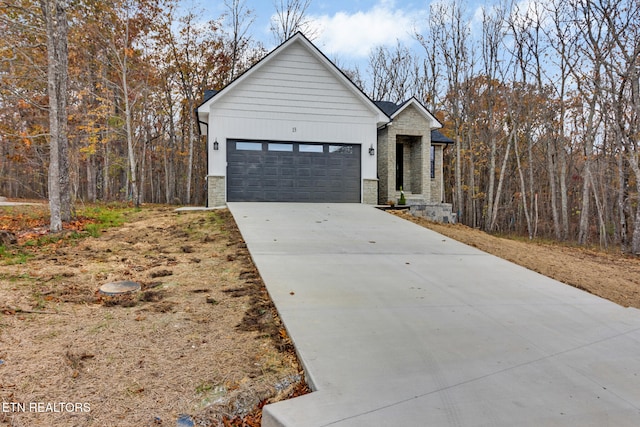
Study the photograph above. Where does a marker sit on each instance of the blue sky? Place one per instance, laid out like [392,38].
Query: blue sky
[347,30]
[350,28]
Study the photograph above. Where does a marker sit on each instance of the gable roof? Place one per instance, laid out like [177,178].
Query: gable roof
[212,97]
[388,107]
[392,110]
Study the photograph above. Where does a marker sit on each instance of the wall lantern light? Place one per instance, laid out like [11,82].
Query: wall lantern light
[372,150]
[216,145]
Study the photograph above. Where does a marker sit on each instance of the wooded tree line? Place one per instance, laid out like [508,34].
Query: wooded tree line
[543,104]
[136,71]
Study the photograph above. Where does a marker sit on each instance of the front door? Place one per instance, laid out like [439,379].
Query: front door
[399,166]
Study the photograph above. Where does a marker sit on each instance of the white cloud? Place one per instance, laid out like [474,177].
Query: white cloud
[354,35]
[528,12]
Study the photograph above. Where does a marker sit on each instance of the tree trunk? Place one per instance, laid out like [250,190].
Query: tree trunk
[564,199]
[583,232]
[531,180]
[535,215]
[492,172]
[458,177]
[523,190]
[602,229]
[169,164]
[471,216]
[496,201]
[622,198]
[143,167]
[192,136]
[105,175]
[55,16]
[551,170]
[635,239]
[91,178]
[129,131]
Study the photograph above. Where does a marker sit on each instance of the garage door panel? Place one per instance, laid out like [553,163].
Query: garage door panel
[303,160]
[318,159]
[287,184]
[270,171]
[293,172]
[286,161]
[253,184]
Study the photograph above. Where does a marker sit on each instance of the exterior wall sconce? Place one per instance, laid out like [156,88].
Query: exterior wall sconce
[216,145]
[372,150]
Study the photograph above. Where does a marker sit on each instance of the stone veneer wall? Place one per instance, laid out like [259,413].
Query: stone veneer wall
[412,124]
[370,191]
[437,188]
[216,191]
[438,212]
[383,165]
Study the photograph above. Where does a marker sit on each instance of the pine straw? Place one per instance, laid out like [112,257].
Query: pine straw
[182,346]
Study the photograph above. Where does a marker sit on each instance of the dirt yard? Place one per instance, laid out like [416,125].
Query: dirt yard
[613,276]
[201,340]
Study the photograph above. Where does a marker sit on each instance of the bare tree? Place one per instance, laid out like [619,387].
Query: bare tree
[450,32]
[124,61]
[588,75]
[622,70]
[290,17]
[562,38]
[526,26]
[241,20]
[394,76]
[431,75]
[492,37]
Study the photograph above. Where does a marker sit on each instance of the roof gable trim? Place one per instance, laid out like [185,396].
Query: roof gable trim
[421,108]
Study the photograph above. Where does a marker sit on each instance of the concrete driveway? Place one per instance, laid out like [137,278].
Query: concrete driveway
[399,326]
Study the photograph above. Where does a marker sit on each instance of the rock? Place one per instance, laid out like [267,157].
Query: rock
[7,238]
[185,421]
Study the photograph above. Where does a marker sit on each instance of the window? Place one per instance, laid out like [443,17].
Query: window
[310,148]
[433,162]
[280,147]
[249,146]
[341,149]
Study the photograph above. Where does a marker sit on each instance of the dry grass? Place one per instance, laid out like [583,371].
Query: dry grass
[202,337]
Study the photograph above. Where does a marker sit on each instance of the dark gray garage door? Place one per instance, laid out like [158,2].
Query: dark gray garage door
[260,171]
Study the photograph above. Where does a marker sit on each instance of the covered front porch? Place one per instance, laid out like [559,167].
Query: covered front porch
[407,158]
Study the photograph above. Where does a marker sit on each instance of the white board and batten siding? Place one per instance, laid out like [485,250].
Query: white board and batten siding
[294,96]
